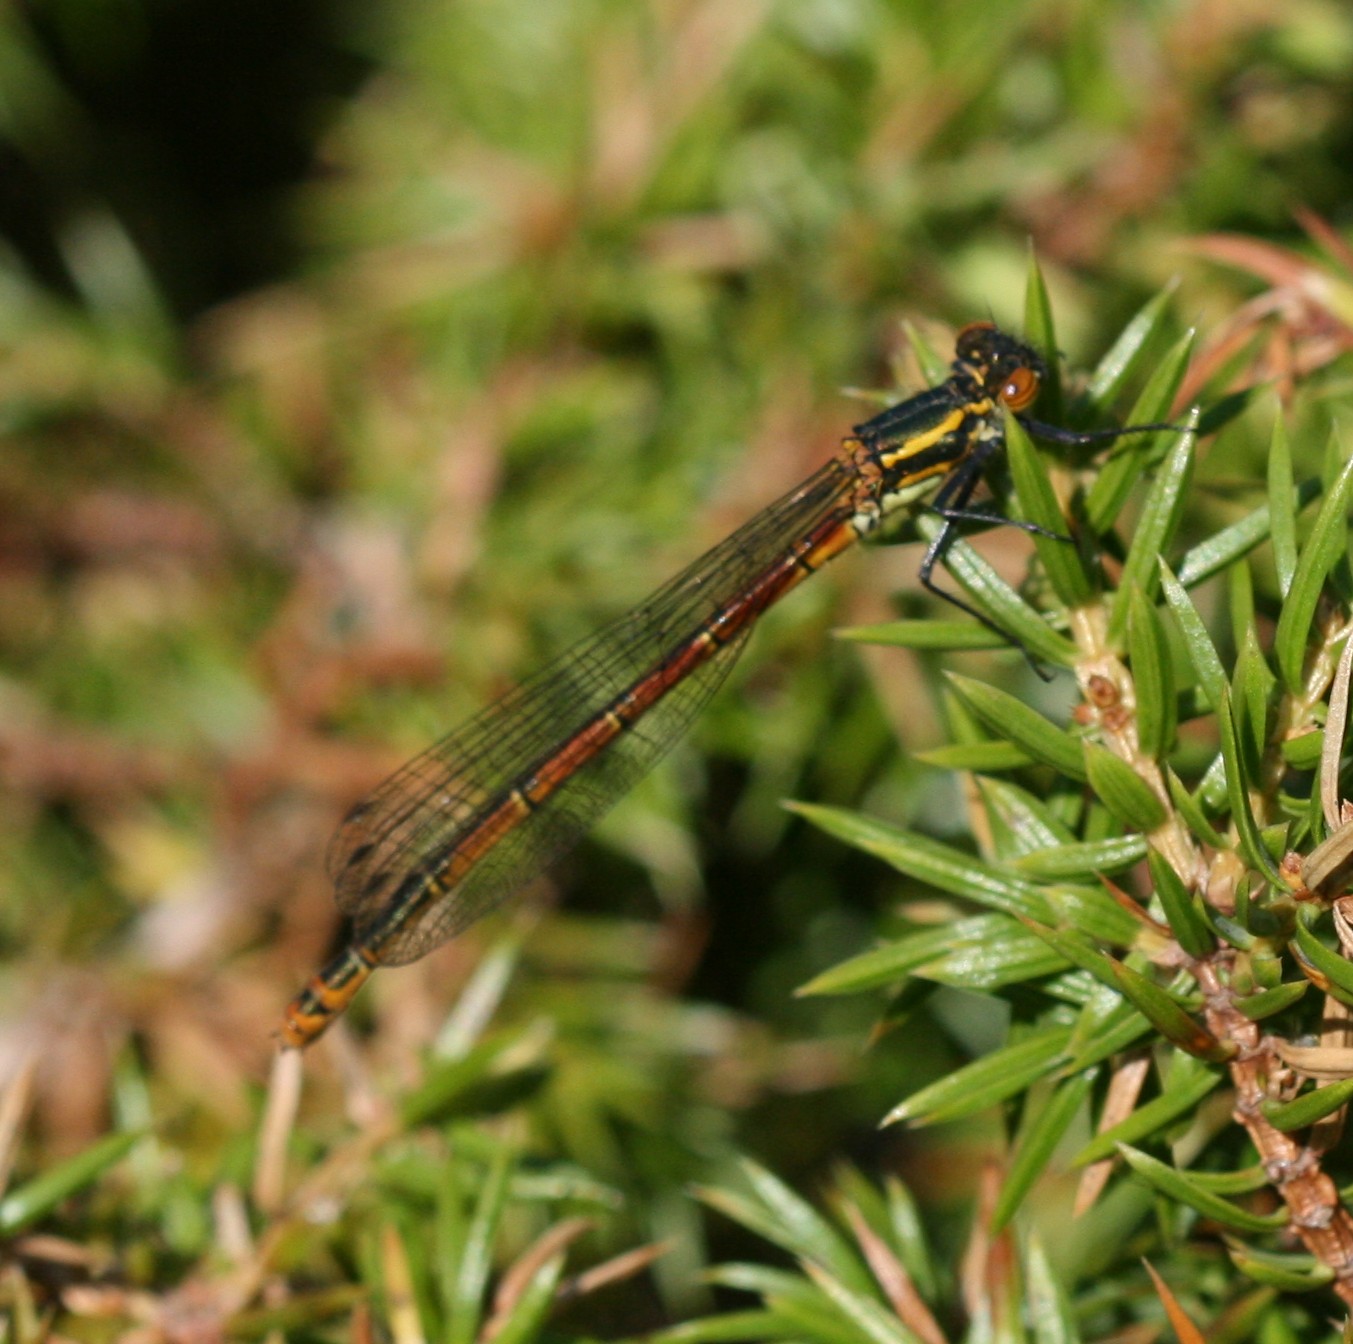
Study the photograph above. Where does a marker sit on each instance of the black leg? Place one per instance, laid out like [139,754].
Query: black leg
[991,516]
[1074,438]
[950,504]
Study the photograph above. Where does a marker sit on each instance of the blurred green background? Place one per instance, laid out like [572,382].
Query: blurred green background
[357,358]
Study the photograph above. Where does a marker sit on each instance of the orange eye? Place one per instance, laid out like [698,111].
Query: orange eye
[1020,389]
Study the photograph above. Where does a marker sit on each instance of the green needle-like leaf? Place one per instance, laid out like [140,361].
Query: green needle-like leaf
[983,757]
[531,1306]
[1121,789]
[1041,332]
[1307,1109]
[1270,1001]
[799,1228]
[1169,1018]
[34,1199]
[998,601]
[926,634]
[1237,791]
[465,1309]
[1079,950]
[1065,862]
[980,953]
[1061,559]
[986,1081]
[1098,1038]
[1183,914]
[1136,453]
[1129,353]
[1224,548]
[1051,1314]
[1020,822]
[1287,1272]
[1179,1098]
[1154,531]
[929,861]
[1015,721]
[1191,810]
[1335,975]
[1201,650]
[1175,1185]
[934,365]
[1153,677]
[1327,543]
[1038,1142]
[874,1322]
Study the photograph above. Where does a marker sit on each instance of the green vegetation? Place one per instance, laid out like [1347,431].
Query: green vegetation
[557,295]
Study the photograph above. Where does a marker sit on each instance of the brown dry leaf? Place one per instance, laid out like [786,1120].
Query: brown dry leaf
[614,1270]
[1299,324]
[1185,1330]
[989,1273]
[1327,1064]
[893,1278]
[1124,1088]
[552,1242]
[405,1327]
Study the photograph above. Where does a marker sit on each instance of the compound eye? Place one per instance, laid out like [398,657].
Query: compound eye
[1019,389]
[972,336]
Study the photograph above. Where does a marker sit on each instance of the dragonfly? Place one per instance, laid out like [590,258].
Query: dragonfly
[463,826]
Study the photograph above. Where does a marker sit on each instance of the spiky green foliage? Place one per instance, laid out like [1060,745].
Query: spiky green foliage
[567,290]
[1196,963]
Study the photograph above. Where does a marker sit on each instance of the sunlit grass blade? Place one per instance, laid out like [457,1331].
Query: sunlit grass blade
[474,1257]
[874,1322]
[475,1084]
[934,365]
[520,1321]
[1050,1309]
[781,1216]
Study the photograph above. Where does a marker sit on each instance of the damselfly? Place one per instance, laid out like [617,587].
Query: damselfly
[463,826]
